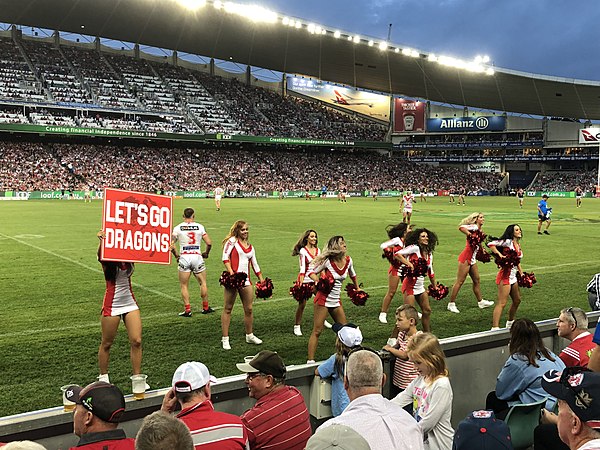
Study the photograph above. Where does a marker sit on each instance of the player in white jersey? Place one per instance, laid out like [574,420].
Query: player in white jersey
[218,195]
[406,204]
[238,256]
[118,303]
[190,259]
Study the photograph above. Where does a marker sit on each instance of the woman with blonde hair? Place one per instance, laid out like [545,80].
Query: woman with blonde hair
[328,271]
[430,393]
[238,256]
[467,262]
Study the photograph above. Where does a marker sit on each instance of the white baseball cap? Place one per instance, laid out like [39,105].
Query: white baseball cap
[191,376]
[349,334]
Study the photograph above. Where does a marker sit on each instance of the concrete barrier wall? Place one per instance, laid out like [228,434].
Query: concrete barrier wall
[474,361]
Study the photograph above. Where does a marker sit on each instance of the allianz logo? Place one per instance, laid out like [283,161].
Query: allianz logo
[480,123]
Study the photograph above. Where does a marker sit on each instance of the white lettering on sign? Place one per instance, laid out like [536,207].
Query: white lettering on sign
[121,212]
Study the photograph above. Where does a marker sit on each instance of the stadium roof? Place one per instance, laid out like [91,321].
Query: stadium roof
[216,33]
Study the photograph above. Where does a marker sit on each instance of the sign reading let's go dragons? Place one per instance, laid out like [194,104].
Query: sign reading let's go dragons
[482,123]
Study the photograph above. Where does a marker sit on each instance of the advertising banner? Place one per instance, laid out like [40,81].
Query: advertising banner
[488,167]
[482,123]
[84,131]
[409,116]
[295,141]
[367,103]
[589,136]
[137,227]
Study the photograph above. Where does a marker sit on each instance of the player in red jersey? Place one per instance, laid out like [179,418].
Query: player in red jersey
[238,256]
[119,303]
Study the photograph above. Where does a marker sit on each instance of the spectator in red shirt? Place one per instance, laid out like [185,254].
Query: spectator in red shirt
[279,420]
[572,324]
[211,430]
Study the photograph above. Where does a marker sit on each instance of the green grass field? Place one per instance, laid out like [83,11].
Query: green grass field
[51,284]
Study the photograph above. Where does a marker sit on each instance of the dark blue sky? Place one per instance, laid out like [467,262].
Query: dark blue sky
[550,37]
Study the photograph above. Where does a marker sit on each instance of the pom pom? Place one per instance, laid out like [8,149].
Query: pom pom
[439,291]
[302,291]
[356,294]
[235,281]
[420,269]
[264,289]
[475,238]
[526,280]
[510,260]
[325,283]
[388,253]
[482,255]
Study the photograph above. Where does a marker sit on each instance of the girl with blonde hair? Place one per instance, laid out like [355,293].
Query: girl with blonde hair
[430,393]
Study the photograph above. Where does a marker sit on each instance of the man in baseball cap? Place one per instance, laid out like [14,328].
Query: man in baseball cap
[98,409]
[212,430]
[279,420]
[578,394]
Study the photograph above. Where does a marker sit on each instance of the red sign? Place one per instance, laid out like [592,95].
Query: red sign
[409,116]
[137,227]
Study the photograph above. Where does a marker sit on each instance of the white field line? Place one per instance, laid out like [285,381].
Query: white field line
[85,266]
[257,302]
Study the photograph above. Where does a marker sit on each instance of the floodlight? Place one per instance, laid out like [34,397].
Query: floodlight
[285,21]
[310,28]
[350,38]
[489,71]
[318,29]
[383,45]
[337,34]
[323,31]
[217,4]
[371,43]
[406,51]
[356,39]
[298,24]
[192,5]
[432,57]
[486,59]
[397,50]
[414,53]
[478,59]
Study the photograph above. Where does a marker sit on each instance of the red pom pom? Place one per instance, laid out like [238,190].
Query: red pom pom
[420,269]
[356,294]
[388,253]
[475,238]
[325,283]
[510,260]
[235,281]
[302,291]
[526,280]
[264,289]
[482,255]
[439,291]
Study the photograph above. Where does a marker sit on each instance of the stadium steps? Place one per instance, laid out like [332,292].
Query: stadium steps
[47,92]
[84,85]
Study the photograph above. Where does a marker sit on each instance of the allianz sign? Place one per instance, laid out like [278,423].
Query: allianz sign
[482,123]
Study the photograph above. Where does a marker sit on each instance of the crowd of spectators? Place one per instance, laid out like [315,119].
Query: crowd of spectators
[56,165]
[566,181]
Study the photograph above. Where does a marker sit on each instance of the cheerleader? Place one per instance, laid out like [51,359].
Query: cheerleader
[334,266]
[467,263]
[306,249]
[397,234]
[507,276]
[238,255]
[419,243]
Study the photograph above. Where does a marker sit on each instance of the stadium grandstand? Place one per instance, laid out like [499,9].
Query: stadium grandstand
[97,94]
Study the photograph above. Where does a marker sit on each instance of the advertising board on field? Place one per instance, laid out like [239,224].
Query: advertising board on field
[137,226]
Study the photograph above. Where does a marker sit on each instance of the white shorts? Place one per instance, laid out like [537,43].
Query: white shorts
[191,263]
[217,197]
[407,210]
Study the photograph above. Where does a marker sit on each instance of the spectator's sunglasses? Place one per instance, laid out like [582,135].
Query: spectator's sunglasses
[570,311]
